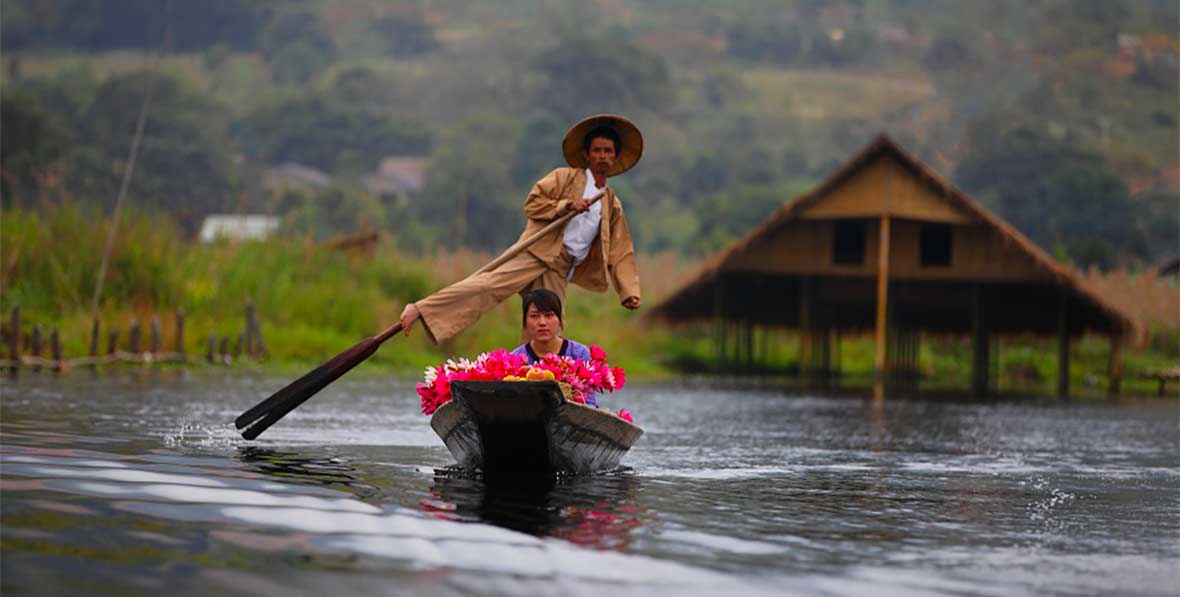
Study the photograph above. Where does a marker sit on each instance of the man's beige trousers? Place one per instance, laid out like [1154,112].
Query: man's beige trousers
[454,308]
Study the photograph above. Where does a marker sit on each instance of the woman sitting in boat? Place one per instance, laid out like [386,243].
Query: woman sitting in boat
[543,325]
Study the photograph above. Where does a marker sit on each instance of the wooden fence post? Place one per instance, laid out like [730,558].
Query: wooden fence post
[94,341]
[133,336]
[248,334]
[35,347]
[211,347]
[180,331]
[155,346]
[224,351]
[14,337]
[55,348]
[112,340]
[255,345]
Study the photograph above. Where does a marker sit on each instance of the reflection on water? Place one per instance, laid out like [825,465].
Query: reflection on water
[293,467]
[597,511]
[140,486]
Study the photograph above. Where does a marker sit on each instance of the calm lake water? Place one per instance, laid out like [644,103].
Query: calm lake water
[139,485]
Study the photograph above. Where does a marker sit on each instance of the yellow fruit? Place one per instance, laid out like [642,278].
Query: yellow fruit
[539,374]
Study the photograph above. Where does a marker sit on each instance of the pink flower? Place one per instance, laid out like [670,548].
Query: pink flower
[585,378]
[597,353]
[620,378]
[625,415]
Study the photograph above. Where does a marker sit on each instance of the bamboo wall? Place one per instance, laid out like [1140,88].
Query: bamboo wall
[805,247]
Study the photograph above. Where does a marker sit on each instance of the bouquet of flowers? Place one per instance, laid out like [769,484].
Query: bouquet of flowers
[579,380]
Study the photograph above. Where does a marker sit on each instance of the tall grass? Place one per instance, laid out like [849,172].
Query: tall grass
[50,265]
[313,301]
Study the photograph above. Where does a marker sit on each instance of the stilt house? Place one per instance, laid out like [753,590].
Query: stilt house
[885,245]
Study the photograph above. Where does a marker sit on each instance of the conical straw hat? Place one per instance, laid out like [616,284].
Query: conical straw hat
[629,137]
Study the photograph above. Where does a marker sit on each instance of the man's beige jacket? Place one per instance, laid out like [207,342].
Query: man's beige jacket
[549,199]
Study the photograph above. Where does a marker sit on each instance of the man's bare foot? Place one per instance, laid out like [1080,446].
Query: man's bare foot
[409,315]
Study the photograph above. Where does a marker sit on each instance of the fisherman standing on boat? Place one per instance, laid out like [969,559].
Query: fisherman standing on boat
[593,247]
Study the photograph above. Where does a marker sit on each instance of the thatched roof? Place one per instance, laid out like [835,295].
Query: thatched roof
[686,302]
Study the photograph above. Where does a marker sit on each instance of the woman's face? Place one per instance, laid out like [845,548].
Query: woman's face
[543,326]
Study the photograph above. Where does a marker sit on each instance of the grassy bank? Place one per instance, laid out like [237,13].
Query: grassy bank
[314,302]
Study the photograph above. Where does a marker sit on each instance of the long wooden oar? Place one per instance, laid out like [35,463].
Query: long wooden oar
[261,416]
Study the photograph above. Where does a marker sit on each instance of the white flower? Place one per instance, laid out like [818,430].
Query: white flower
[430,375]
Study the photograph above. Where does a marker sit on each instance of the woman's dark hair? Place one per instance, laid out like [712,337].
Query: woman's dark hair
[604,132]
[546,301]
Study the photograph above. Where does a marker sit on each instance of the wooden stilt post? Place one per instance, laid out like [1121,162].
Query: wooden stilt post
[718,329]
[1062,346]
[180,332]
[979,342]
[882,304]
[805,325]
[723,325]
[997,354]
[838,370]
[748,328]
[1116,363]
[112,340]
[764,349]
[917,367]
[824,355]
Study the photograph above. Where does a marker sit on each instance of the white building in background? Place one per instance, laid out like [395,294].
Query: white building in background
[237,227]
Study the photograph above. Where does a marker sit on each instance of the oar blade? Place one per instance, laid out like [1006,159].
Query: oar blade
[264,414]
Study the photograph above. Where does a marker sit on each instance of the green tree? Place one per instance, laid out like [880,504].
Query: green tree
[731,214]
[469,194]
[538,148]
[1064,198]
[706,176]
[117,24]
[34,141]
[405,36]
[315,130]
[1156,222]
[296,47]
[332,211]
[766,41]
[585,76]
[184,159]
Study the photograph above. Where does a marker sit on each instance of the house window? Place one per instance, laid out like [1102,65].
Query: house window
[848,242]
[936,245]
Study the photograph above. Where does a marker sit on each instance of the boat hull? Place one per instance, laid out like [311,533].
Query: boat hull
[529,427]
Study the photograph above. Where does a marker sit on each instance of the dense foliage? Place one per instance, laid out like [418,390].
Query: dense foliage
[1060,116]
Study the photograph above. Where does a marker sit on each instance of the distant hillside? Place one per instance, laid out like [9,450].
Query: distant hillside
[1047,108]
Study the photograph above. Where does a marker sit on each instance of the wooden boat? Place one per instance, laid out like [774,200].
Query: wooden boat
[529,427]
